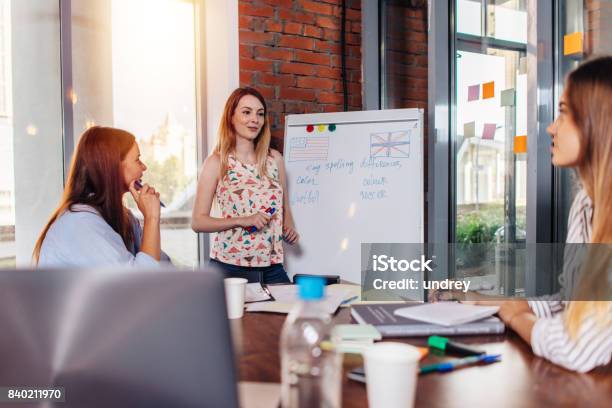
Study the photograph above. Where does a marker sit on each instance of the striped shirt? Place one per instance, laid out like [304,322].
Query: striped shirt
[549,338]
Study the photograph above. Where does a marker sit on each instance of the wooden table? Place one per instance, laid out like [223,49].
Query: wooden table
[519,380]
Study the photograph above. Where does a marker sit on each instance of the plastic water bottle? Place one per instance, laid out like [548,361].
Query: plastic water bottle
[311,368]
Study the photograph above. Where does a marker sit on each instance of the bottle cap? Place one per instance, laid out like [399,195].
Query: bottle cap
[311,287]
[437,342]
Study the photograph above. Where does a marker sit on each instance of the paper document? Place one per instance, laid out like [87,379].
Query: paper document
[446,313]
[255,293]
[286,296]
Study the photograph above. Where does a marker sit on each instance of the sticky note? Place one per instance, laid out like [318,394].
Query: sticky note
[488,132]
[572,43]
[309,128]
[523,66]
[473,92]
[507,97]
[520,144]
[488,90]
[469,129]
[321,128]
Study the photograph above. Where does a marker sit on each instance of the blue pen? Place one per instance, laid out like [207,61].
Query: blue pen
[349,300]
[138,186]
[459,362]
[253,228]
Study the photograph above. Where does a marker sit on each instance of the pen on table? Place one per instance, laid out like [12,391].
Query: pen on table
[442,343]
[349,300]
[459,362]
[138,186]
[253,228]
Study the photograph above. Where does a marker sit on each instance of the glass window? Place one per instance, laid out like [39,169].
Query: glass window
[490,131]
[133,67]
[585,30]
[7,173]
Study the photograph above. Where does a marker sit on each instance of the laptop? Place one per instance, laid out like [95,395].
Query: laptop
[118,338]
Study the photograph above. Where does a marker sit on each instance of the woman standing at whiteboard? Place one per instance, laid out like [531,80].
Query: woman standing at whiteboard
[247,180]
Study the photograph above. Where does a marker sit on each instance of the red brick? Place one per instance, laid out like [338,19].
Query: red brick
[328,72]
[332,108]
[315,7]
[246,51]
[272,26]
[356,27]
[274,53]
[247,9]
[256,37]
[288,15]
[327,97]
[293,28]
[246,77]
[327,46]
[252,65]
[278,3]
[353,15]
[276,79]
[328,22]
[331,35]
[296,93]
[312,31]
[297,42]
[312,57]
[266,92]
[296,68]
[245,22]
[314,83]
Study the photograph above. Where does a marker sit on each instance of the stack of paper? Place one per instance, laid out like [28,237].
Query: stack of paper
[355,338]
[286,296]
[447,313]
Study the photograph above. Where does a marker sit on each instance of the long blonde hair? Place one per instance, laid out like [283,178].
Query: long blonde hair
[226,142]
[589,94]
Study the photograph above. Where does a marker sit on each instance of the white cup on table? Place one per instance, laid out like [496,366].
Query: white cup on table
[391,371]
[235,289]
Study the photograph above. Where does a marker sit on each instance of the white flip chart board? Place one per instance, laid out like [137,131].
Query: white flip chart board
[353,177]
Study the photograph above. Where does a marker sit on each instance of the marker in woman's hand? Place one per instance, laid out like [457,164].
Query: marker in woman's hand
[253,228]
[138,186]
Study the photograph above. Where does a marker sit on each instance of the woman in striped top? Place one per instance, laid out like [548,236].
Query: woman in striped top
[577,334]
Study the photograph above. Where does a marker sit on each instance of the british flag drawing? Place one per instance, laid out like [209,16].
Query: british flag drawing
[390,144]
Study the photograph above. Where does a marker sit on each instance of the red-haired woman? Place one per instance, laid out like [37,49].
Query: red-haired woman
[91,227]
[247,178]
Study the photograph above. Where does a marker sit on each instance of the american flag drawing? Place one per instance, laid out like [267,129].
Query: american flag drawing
[390,144]
[309,148]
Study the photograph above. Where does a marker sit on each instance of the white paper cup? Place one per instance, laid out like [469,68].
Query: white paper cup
[391,374]
[234,296]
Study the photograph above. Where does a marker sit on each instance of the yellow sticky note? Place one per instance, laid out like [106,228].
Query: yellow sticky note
[572,43]
[321,128]
[520,144]
[488,90]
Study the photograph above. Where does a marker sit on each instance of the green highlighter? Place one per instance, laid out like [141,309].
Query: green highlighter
[448,346]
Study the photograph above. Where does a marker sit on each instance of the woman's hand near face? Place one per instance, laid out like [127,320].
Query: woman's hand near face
[147,200]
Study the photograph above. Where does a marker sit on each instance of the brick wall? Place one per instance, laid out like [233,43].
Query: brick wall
[290,51]
[598,27]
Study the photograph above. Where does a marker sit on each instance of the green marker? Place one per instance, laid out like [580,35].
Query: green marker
[442,343]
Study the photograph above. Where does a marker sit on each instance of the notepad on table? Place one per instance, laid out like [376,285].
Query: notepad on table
[446,313]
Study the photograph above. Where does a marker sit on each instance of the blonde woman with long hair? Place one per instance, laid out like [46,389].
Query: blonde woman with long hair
[247,181]
[573,328]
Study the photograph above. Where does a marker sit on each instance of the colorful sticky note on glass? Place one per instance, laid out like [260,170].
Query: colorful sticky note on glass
[520,144]
[507,97]
[321,128]
[488,90]
[572,43]
[488,132]
[469,129]
[473,92]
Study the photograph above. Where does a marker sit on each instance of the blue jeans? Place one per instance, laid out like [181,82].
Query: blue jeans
[274,273]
